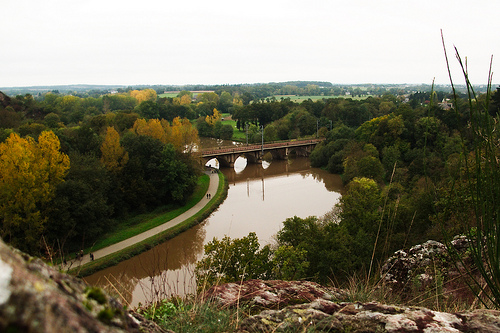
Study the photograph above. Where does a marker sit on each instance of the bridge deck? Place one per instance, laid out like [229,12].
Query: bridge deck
[267,146]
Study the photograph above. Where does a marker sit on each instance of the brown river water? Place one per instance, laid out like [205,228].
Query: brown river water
[260,198]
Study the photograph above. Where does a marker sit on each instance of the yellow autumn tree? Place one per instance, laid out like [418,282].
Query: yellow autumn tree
[185,99]
[152,127]
[144,95]
[237,100]
[114,157]
[29,174]
[184,135]
[182,100]
[211,120]
[167,129]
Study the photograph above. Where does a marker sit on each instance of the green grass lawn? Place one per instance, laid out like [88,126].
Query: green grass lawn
[168,95]
[237,134]
[137,224]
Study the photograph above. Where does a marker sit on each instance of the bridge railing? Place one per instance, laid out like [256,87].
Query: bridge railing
[254,147]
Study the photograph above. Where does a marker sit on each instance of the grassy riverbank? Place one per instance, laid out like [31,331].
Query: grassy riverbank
[151,222]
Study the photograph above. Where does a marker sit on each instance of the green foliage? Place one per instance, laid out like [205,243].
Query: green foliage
[289,263]
[217,130]
[81,210]
[234,260]
[155,173]
[482,174]
[160,312]
[362,161]
[97,294]
[307,238]
[412,151]
[9,118]
[192,315]
[223,131]
[319,249]
[179,176]
[106,315]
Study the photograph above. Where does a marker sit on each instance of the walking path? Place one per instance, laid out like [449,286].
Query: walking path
[212,189]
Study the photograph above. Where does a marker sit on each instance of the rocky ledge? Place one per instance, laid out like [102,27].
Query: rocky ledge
[320,312]
[35,297]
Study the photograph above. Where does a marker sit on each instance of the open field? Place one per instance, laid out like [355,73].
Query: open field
[237,135]
[166,95]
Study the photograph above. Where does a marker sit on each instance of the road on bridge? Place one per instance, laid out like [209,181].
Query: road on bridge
[254,147]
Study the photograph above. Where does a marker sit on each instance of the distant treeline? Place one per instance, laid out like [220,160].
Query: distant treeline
[259,90]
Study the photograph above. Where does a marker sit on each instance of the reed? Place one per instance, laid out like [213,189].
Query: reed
[482,175]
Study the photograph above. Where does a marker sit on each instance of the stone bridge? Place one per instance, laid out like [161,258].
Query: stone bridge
[254,153]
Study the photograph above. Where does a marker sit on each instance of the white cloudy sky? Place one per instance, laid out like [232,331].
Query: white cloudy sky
[49,42]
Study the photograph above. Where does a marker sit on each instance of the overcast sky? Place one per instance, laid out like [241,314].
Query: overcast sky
[52,42]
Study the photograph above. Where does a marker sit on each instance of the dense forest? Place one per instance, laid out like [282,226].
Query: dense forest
[72,164]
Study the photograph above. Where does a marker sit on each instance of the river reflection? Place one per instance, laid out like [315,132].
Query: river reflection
[259,199]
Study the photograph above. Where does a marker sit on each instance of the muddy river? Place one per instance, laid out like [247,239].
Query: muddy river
[260,198]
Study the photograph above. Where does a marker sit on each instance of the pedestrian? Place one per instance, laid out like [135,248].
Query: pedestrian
[91,256]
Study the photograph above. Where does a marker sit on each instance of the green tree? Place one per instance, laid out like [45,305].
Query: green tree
[156,173]
[178,175]
[360,206]
[9,118]
[232,260]
[270,133]
[225,102]
[81,210]
[52,120]
[223,131]
[148,109]
[290,263]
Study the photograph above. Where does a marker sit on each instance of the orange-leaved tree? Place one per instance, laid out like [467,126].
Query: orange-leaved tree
[29,174]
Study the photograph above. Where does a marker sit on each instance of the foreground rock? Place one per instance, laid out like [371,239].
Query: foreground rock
[322,309]
[35,297]
[271,294]
[426,267]
[323,315]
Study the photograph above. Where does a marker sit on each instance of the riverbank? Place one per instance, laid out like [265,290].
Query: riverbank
[113,254]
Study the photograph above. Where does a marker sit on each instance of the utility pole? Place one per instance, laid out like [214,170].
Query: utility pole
[246,126]
[262,127]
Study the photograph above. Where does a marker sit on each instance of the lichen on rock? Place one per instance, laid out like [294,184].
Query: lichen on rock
[35,297]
